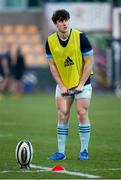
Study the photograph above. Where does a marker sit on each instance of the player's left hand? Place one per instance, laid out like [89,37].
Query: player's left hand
[78,89]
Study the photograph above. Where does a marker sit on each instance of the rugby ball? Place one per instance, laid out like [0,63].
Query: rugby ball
[24,153]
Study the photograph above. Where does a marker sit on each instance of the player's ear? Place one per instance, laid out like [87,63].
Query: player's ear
[55,23]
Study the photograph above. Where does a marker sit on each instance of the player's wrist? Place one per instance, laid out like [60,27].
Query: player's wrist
[80,87]
[61,86]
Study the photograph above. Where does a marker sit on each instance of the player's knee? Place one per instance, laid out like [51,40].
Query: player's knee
[82,113]
[63,115]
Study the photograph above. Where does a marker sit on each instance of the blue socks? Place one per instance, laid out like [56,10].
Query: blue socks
[84,133]
[62,133]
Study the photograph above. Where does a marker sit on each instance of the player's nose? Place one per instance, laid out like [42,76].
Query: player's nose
[64,22]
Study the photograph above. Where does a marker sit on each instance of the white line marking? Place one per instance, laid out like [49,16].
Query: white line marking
[80,174]
[65,172]
[107,169]
[47,169]
[5,135]
[40,167]
[27,171]
[4,171]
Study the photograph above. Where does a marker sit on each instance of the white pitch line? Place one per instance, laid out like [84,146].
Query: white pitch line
[65,172]
[107,169]
[47,169]
[40,167]
[80,174]
[4,171]
[27,171]
[5,135]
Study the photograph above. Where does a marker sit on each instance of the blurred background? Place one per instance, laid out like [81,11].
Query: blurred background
[25,26]
[24,70]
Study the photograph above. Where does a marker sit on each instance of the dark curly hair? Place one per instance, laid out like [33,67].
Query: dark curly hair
[60,15]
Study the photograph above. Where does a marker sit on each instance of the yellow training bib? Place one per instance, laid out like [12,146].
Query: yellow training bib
[68,59]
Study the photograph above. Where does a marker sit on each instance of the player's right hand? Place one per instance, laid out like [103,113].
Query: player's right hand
[63,90]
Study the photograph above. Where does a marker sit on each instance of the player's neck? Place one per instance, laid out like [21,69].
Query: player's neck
[64,36]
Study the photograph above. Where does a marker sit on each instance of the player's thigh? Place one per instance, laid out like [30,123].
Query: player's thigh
[83,103]
[83,98]
[63,104]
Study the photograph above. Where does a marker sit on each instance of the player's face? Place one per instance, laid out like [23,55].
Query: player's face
[62,26]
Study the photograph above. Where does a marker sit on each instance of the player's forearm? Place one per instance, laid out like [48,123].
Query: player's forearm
[88,66]
[56,75]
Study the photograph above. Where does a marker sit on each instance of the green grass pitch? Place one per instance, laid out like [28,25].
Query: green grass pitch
[33,117]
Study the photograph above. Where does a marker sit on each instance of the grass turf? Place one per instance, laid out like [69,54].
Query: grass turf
[33,117]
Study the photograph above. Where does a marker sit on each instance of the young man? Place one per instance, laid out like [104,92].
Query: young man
[70,58]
